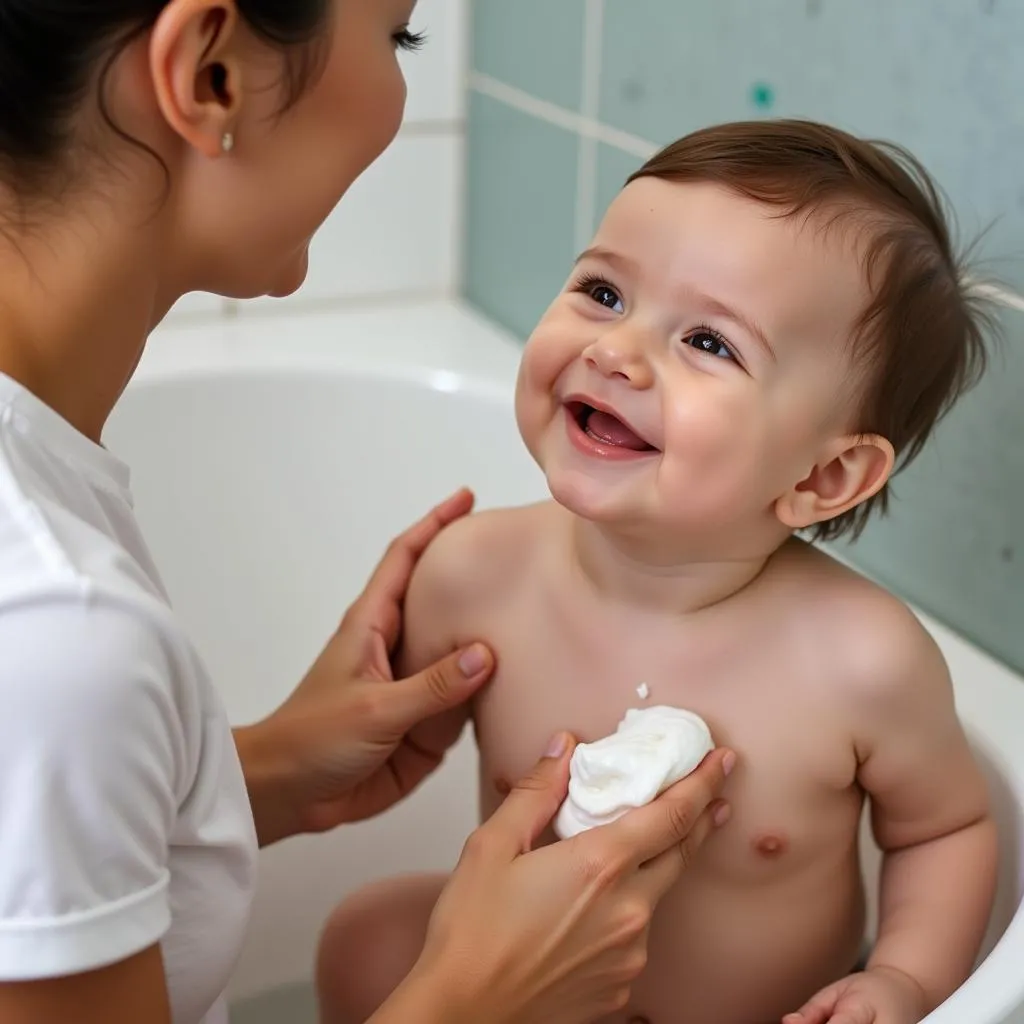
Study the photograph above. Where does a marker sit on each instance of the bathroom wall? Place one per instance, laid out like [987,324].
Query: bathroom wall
[395,235]
[568,96]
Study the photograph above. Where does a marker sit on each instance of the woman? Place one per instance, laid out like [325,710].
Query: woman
[150,148]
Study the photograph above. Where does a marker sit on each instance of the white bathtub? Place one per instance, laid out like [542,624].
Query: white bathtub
[273,457]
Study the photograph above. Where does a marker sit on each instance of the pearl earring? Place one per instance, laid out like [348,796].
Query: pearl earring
[227,143]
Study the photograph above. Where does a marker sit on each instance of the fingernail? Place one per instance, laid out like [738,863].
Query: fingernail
[556,748]
[473,661]
[728,763]
[721,814]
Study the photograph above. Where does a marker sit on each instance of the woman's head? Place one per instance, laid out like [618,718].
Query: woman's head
[131,101]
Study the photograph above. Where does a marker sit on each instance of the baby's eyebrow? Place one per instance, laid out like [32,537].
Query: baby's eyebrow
[749,325]
[599,252]
[714,305]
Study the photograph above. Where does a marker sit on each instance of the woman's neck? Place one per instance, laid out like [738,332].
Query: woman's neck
[78,297]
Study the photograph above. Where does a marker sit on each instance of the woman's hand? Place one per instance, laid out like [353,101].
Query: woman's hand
[339,749]
[559,933]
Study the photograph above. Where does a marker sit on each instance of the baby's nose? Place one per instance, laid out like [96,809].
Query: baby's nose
[620,354]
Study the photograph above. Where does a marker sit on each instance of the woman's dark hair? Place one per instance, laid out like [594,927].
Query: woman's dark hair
[52,53]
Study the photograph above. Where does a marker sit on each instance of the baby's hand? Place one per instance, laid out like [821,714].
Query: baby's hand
[879,995]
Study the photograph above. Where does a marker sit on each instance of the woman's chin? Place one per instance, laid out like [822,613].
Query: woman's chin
[292,276]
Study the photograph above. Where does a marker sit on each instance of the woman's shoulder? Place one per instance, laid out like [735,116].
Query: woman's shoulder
[83,671]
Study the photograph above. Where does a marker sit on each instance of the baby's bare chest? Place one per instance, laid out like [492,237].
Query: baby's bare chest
[793,793]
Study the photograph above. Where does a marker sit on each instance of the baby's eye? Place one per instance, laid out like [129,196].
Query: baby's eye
[599,290]
[605,296]
[710,343]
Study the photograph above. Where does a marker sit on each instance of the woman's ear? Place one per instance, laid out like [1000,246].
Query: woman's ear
[196,71]
[852,470]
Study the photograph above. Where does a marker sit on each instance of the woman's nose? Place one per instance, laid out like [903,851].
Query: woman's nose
[620,354]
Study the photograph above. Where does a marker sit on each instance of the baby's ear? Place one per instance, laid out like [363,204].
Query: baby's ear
[852,470]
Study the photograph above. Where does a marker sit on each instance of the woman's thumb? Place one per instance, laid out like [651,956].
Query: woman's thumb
[445,684]
[534,800]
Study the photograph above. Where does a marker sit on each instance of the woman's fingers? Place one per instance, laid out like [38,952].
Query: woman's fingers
[446,684]
[533,802]
[669,821]
[574,915]
[657,876]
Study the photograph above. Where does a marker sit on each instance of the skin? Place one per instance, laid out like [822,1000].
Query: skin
[676,567]
[120,257]
[83,280]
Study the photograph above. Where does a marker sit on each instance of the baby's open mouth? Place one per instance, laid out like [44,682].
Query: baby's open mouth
[606,428]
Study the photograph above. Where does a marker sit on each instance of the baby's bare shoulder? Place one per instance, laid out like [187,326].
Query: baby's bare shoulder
[461,580]
[873,644]
[474,556]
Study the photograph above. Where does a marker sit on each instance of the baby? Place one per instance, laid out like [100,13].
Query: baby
[769,319]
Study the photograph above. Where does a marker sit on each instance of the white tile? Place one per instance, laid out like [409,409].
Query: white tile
[436,75]
[196,304]
[393,232]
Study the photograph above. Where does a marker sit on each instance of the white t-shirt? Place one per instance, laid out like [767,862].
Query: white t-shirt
[124,818]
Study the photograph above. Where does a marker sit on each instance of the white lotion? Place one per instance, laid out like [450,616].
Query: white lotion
[651,749]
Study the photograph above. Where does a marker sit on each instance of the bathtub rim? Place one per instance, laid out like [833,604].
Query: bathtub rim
[441,344]
[455,335]
[448,334]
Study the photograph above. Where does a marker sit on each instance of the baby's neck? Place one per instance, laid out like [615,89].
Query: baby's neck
[642,574]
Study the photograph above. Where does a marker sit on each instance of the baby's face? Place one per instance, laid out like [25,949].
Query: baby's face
[695,364]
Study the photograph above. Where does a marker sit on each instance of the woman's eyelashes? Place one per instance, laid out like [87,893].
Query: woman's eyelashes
[411,41]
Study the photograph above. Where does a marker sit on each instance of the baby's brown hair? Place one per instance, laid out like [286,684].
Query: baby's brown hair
[920,343]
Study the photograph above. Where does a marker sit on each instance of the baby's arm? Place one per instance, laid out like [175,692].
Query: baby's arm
[451,579]
[428,631]
[427,619]
[931,818]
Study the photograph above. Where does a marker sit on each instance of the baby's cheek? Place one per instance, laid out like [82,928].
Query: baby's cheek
[725,447]
[707,475]
[534,400]
[550,351]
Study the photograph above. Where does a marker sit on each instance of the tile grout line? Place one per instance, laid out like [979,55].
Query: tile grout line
[589,127]
[524,102]
[590,94]
[559,116]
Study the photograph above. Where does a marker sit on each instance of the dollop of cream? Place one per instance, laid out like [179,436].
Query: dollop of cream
[651,749]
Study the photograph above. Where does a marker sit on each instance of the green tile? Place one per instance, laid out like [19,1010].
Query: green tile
[520,196]
[942,77]
[954,541]
[535,45]
[613,168]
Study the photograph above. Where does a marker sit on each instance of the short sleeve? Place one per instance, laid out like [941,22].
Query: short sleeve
[91,756]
